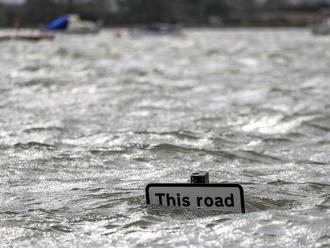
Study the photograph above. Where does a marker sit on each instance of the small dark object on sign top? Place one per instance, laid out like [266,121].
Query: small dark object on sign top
[199,177]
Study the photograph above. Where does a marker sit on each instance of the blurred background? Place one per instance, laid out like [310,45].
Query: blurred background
[188,12]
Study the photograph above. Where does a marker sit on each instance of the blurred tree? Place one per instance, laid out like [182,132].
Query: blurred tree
[9,14]
[196,11]
[36,12]
[241,11]
[147,10]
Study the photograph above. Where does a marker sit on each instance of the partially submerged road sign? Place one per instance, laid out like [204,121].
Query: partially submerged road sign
[227,198]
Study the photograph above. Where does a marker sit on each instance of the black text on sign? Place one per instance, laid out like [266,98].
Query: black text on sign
[220,197]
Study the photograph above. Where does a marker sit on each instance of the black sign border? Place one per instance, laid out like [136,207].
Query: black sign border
[207,185]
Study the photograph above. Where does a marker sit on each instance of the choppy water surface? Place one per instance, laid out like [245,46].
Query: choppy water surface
[87,121]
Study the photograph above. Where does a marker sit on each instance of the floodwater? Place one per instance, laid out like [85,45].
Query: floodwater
[87,121]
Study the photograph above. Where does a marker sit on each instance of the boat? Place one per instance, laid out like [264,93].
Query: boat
[157,29]
[72,24]
[322,28]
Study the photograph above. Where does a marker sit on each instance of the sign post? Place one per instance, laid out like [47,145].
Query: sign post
[226,198]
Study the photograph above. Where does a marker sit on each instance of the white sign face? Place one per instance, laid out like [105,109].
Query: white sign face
[227,198]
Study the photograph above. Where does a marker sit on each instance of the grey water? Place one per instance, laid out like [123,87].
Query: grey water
[87,121]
